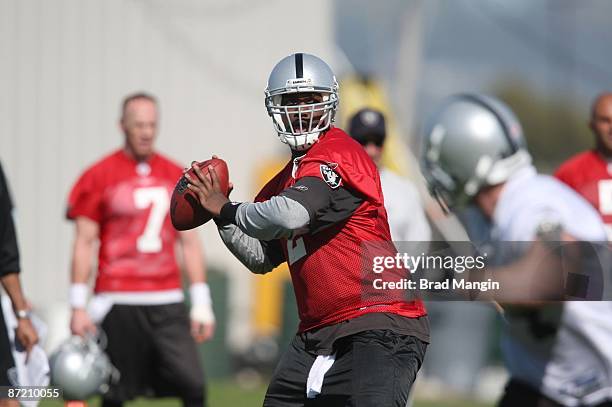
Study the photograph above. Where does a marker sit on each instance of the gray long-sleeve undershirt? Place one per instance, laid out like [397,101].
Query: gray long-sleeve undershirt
[278,217]
[307,207]
[247,249]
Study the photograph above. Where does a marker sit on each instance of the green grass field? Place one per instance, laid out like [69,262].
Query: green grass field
[228,394]
[450,403]
[222,394]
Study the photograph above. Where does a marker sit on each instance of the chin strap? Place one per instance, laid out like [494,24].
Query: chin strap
[309,140]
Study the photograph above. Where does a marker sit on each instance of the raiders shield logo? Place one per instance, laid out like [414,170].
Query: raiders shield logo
[330,177]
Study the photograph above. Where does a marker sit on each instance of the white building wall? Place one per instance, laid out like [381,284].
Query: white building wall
[65,65]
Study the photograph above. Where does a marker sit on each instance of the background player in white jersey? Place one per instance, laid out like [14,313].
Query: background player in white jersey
[407,219]
[456,346]
[122,202]
[557,354]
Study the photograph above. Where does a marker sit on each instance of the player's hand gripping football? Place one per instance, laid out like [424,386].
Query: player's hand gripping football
[207,188]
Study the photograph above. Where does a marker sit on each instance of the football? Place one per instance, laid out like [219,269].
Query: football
[185,209]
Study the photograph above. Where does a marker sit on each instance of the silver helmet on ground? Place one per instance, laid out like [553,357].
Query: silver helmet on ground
[471,142]
[299,126]
[81,368]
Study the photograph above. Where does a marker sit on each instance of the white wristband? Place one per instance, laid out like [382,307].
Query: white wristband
[199,294]
[78,295]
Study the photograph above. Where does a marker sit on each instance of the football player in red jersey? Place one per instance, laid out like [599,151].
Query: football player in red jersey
[590,172]
[122,202]
[317,214]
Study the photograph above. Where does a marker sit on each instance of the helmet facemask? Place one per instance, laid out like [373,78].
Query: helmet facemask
[301,99]
[300,125]
[451,192]
[443,187]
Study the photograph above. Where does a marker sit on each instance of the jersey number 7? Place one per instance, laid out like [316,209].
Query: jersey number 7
[158,200]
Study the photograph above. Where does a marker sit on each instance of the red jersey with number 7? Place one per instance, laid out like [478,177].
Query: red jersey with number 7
[331,270]
[130,201]
[591,176]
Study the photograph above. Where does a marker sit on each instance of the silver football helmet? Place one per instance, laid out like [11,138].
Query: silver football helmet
[472,141]
[81,368]
[299,126]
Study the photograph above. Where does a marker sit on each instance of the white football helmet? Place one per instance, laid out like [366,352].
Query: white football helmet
[301,73]
[81,368]
[472,141]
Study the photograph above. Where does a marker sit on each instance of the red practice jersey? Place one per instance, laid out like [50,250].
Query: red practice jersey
[332,269]
[130,201]
[589,174]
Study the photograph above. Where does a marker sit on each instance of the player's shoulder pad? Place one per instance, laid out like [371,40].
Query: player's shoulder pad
[169,162]
[340,160]
[166,165]
[337,146]
[585,158]
[101,166]
[275,185]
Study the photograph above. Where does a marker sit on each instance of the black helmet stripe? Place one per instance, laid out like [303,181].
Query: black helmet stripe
[299,65]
